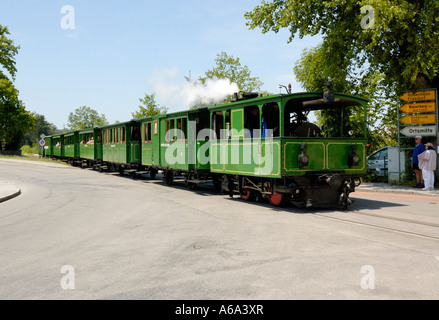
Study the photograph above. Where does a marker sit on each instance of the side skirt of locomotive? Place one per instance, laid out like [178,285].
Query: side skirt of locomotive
[314,189]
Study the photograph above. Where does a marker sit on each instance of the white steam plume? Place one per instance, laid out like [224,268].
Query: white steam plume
[172,89]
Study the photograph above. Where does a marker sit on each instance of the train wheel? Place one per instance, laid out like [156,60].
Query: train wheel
[277,199]
[217,183]
[169,178]
[152,173]
[247,195]
[191,185]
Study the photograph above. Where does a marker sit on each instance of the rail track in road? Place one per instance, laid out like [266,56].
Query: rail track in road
[403,224]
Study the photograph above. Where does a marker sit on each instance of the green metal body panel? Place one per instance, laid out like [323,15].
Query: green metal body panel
[57,145]
[121,143]
[324,155]
[48,147]
[71,145]
[249,157]
[90,144]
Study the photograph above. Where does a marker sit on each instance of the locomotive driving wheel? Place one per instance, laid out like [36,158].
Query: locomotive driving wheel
[277,199]
[248,194]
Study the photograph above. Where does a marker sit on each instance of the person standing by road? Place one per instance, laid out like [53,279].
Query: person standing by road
[419,148]
[427,163]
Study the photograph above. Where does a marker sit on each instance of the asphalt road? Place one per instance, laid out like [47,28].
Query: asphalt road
[78,234]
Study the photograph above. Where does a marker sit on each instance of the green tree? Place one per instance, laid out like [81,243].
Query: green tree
[41,126]
[149,107]
[85,117]
[15,121]
[313,73]
[397,38]
[7,52]
[230,68]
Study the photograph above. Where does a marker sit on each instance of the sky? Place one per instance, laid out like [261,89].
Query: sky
[108,54]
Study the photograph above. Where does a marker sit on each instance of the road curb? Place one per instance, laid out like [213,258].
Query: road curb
[8,192]
[388,189]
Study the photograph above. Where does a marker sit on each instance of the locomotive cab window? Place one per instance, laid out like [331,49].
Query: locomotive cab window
[252,122]
[270,120]
[297,120]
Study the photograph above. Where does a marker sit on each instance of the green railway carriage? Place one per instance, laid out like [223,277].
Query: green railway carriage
[172,142]
[90,146]
[121,146]
[266,147]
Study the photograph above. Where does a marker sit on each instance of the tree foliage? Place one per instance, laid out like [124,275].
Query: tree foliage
[374,48]
[7,52]
[15,120]
[229,67]
[149,107]
[395,37]
[85,117]
[41,126]
[312,73]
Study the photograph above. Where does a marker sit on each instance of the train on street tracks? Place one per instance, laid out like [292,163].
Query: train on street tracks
[253,147]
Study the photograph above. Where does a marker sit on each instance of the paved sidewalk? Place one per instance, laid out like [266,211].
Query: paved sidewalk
[388,188]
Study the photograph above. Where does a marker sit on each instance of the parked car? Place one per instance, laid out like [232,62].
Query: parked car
[378,162]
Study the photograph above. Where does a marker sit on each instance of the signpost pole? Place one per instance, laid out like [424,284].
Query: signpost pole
[399,142]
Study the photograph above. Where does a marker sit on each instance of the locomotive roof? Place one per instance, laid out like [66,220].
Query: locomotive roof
[309,100]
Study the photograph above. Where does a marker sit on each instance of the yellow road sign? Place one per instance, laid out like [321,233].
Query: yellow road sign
[419,96]
[423,107]
[419,119]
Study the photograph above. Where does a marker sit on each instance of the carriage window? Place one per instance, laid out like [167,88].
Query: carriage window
[135,133]
[202,123]
[218,123]
[252,121]
[270,119]
[182,129]
[170,132]
[147,132]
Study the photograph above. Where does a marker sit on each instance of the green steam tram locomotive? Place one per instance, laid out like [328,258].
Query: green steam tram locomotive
[253,147]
